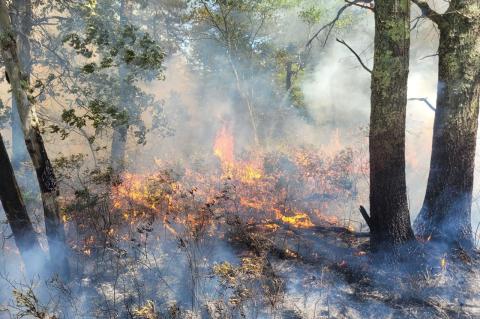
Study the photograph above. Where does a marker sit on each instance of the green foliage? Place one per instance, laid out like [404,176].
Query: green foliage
[99,115]
[248,33]
[114,56]
[242,27]
[120,45]
[312,15]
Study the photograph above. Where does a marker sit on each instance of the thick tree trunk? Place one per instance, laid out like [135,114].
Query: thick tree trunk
[35,146]
[446,211]
[390,219]
[17,216]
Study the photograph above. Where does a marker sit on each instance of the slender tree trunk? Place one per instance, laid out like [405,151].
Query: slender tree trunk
[119,143]
[19,150]
[243,93]
[21,17]
[17,216]
[390,220]
[35,145]
[120,132]
[446,211]
[288,76]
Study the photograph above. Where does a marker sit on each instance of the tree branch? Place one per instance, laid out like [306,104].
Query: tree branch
[356,55]
[428,12]
[367,218]
[425,100]
[329,26]
[369,5]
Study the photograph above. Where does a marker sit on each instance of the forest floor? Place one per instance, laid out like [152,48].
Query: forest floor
[330,274]
[258,245]
[262,271]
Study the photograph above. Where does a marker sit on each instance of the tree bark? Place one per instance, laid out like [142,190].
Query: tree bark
[35,145]
[21,17]
[390,219]
[19,150]
[446,210]
[17,216]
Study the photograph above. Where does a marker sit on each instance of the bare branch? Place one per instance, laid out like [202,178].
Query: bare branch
[369,5]
[428,12]
[356,55]
[428,56]
[425,100]
[329,26]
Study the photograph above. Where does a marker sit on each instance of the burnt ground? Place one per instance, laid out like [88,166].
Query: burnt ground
[328,272]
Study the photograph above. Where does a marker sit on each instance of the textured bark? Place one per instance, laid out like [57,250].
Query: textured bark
[21,17]
[446,211]
[19,150]
[390,219]
[35,145]
[17,216]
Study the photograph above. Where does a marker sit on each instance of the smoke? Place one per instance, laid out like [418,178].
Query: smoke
[336,96]
[336,92]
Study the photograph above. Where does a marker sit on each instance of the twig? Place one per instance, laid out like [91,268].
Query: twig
[425,100]
[332,23]
[428,56]
[356,55]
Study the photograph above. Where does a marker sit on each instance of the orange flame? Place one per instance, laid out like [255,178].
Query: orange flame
[224,145]
[263,191]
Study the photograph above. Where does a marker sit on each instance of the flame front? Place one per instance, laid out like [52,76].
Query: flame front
[292,188]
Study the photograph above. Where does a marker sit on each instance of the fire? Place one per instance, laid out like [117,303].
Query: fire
[224,145]
[297,188]
[300,220]
[224,150]
[251,174]
[148,191]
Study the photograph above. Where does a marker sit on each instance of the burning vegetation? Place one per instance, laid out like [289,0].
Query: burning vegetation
[191,159]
